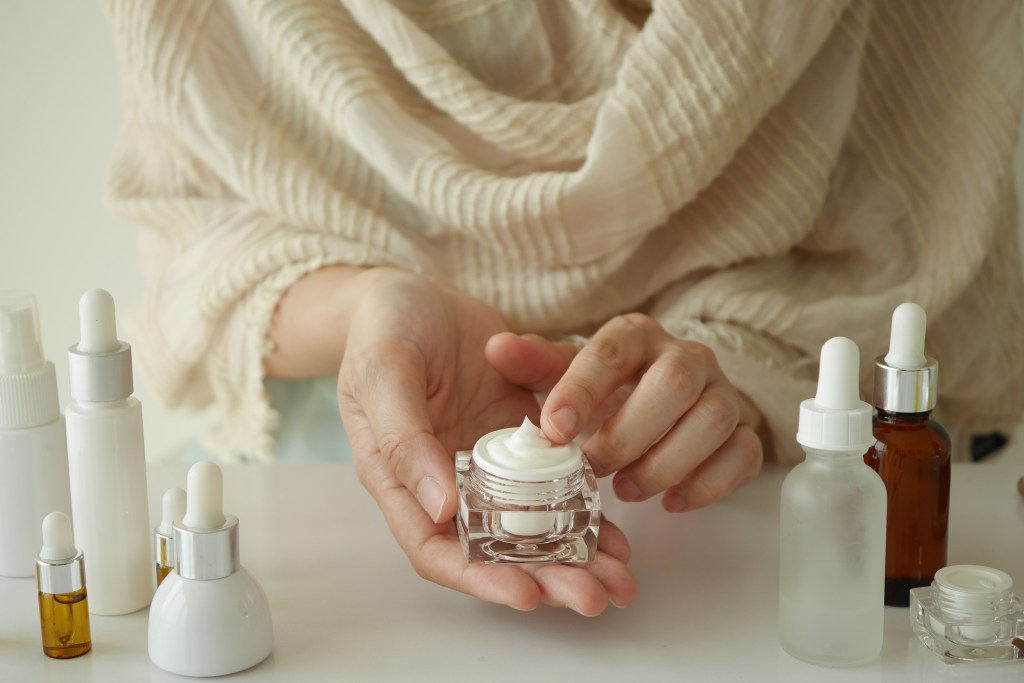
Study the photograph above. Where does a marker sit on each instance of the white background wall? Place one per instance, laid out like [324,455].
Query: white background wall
[59,117]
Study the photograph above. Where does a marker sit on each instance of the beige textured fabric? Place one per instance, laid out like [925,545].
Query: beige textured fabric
[761,175]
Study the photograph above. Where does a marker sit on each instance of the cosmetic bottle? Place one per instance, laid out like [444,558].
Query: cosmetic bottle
[173,508]
[209,617]
[912,455]
[107,464]
[33,445]
[63,605]
[969,614]
[524,500]
[832,525]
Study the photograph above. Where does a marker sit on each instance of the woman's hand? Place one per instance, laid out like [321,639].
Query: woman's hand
[414,387]
[683,430]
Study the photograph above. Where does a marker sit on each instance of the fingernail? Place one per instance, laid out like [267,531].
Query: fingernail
[674,502]
[564,421]
[432,497]
[577,610]
[627,490]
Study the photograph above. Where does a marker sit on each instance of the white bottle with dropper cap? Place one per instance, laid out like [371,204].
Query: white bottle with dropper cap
[107,464]
[832,525]
[33,446]
[209,617]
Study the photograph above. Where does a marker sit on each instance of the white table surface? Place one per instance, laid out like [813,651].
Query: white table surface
[347,606]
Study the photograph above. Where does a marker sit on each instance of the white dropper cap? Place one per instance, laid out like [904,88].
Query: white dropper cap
[906,341]
[58,543]
[836,419]
[173,508]
[204,508]
[99,365]
[906,380]
[28,383]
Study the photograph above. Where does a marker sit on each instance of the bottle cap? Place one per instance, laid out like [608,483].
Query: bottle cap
[60,566]
[173,509]
[28,382]
[906,381]
[205,539]
[99,365]
[836,419]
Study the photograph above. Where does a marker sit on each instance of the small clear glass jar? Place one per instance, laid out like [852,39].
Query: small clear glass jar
[969,614]
[538,516]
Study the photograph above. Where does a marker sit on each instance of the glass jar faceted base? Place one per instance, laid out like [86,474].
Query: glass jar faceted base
[974,620]
[506,521]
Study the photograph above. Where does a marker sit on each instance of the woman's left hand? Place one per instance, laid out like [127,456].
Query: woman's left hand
[685,430]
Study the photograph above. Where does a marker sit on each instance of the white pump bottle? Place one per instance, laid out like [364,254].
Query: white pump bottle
[107,464]
[832,525]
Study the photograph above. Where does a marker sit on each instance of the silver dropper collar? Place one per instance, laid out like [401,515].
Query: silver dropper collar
[906,391]
[207,554]
[59,577]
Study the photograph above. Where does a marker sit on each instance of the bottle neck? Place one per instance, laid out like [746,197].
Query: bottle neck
[838,458]
[892,417]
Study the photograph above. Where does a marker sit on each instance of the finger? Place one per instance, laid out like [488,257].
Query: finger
[618,582]
[736,463]
[698,434]
[434,549]
[611,358]
[388,386]
[669,388]
[611,540]
[569,586]
[529,360]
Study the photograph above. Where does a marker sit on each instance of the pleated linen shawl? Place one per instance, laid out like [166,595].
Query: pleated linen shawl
[760,175]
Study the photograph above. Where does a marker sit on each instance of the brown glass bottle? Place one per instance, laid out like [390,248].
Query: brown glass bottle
[64,619]
[912,456]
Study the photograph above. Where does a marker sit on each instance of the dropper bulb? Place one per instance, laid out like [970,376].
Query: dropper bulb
[906,341]
[838,386]
[58,543]
[173,508]
[97,322]
[204,502]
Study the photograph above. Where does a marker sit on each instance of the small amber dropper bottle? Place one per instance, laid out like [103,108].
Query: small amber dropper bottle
[63,606]
[166,555]
[912,455]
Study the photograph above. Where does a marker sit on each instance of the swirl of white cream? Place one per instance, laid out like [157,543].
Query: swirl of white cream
[528,452]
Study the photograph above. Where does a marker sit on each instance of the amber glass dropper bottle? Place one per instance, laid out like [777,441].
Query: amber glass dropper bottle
[912,455]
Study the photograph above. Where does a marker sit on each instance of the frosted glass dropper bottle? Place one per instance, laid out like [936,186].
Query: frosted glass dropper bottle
[832,525]
[107,464]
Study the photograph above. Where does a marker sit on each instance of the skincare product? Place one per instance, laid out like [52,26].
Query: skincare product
[63,606]
[523,499]
[173,509]
[33,446]
[209,617]
[912,455]
[968,614]
[107,463]
[832,525]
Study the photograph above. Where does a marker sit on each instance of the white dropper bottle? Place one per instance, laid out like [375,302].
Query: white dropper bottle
[33,447]
[209,617]
[832,525]
[107,464]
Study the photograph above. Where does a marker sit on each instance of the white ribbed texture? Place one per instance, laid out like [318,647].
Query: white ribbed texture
[760,175]
[30,399]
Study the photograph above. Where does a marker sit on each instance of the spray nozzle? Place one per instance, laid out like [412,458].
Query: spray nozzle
[204,506]
[97,322]
[58,543]
[173,508]
[21,345]
[906,341]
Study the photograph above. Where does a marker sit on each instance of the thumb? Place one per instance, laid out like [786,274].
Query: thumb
[529,360]
[383,394]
